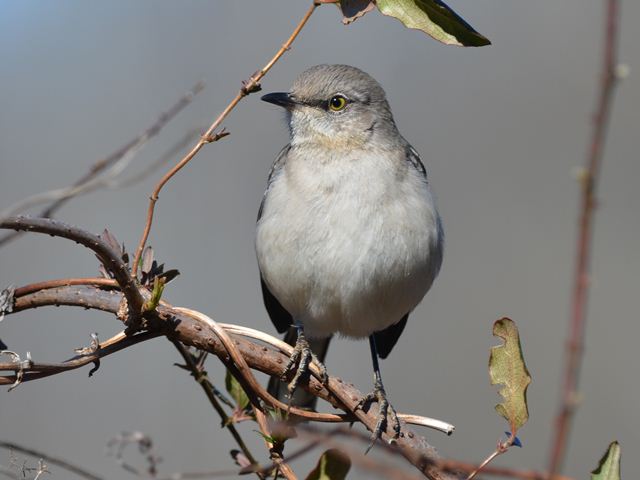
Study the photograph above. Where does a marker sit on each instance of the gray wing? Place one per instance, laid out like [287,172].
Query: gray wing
[279,316]
[281,159]
[386,339]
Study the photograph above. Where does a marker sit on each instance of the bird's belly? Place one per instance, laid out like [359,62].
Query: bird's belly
[351,268]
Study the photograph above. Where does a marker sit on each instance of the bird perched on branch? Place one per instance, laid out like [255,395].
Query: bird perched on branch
[348,236]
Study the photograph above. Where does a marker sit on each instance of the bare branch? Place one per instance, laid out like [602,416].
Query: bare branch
[176,324]
[248,87]
[274,447]
[35,370]
[115,162]
[52,460]
[589,182]
[200,376]
[110,259]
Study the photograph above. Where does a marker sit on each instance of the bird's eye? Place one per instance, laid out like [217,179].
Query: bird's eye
[337,103]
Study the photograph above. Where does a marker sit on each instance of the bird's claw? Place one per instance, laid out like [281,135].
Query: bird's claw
[386,413]
[299,362]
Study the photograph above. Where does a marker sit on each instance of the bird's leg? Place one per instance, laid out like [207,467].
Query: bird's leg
[386,412]
[299,362]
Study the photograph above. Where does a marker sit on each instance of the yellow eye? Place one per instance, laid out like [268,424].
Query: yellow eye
[337,103]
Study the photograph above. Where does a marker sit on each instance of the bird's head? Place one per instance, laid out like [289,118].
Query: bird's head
[335,105]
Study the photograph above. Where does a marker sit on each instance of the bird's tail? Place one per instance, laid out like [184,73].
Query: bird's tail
[301,398]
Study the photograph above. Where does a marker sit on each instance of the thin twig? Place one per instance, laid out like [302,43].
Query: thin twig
[36,370]
[163,159]
[7,472]
[248,87]
[63,282]
[502,447]
[275,448]
[200,376]
[458,466]
[116,162]
[378,467]
[53,460]
[109,258]
[589,181]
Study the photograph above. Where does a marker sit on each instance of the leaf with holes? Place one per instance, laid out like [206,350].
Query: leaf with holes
[507,368]
[434,18]
[332,465]
[609,465]
[354,9]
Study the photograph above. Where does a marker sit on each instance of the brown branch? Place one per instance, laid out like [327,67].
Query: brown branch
[37,370]
[248,87]
[101,165]
[109,258]
[378,467]
[179,326]
[200,376]
[589,183]
[275,448]
[81,472]
[65,282]
[457,466]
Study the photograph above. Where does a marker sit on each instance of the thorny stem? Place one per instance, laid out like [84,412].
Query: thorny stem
[589,181]
[200,376]
[248,87]
[81,472]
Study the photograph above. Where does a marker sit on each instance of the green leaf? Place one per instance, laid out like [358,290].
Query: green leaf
[507,368]
[609,465]
[236,391]
[156,295]
[434,18]
[333,465]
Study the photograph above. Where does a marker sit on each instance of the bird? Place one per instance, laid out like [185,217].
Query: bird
[348,237]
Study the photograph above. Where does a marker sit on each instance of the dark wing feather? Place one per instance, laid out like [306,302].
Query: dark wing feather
[275,168]
[414,159]
[387,338]
[280,318]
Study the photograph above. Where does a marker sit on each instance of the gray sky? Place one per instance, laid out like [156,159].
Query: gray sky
[500,129]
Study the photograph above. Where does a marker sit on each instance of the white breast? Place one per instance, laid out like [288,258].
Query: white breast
[349,247]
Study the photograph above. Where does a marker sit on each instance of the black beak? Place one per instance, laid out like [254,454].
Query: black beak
[281,99]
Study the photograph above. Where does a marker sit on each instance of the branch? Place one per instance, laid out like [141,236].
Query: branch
[200,376]
[248,87]
[457,466]
[589,183]
[81,472]
[177,325]
[109,258]
[115,162]
[36,370]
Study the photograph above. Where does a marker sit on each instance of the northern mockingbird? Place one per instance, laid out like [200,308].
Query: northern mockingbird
[348,236]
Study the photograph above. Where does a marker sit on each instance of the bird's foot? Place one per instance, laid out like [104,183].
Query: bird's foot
[386,413]
[299,362]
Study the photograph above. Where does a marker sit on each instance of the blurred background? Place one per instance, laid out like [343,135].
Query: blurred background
[501,130]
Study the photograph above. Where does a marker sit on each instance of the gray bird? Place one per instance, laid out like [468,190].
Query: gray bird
[348,236]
